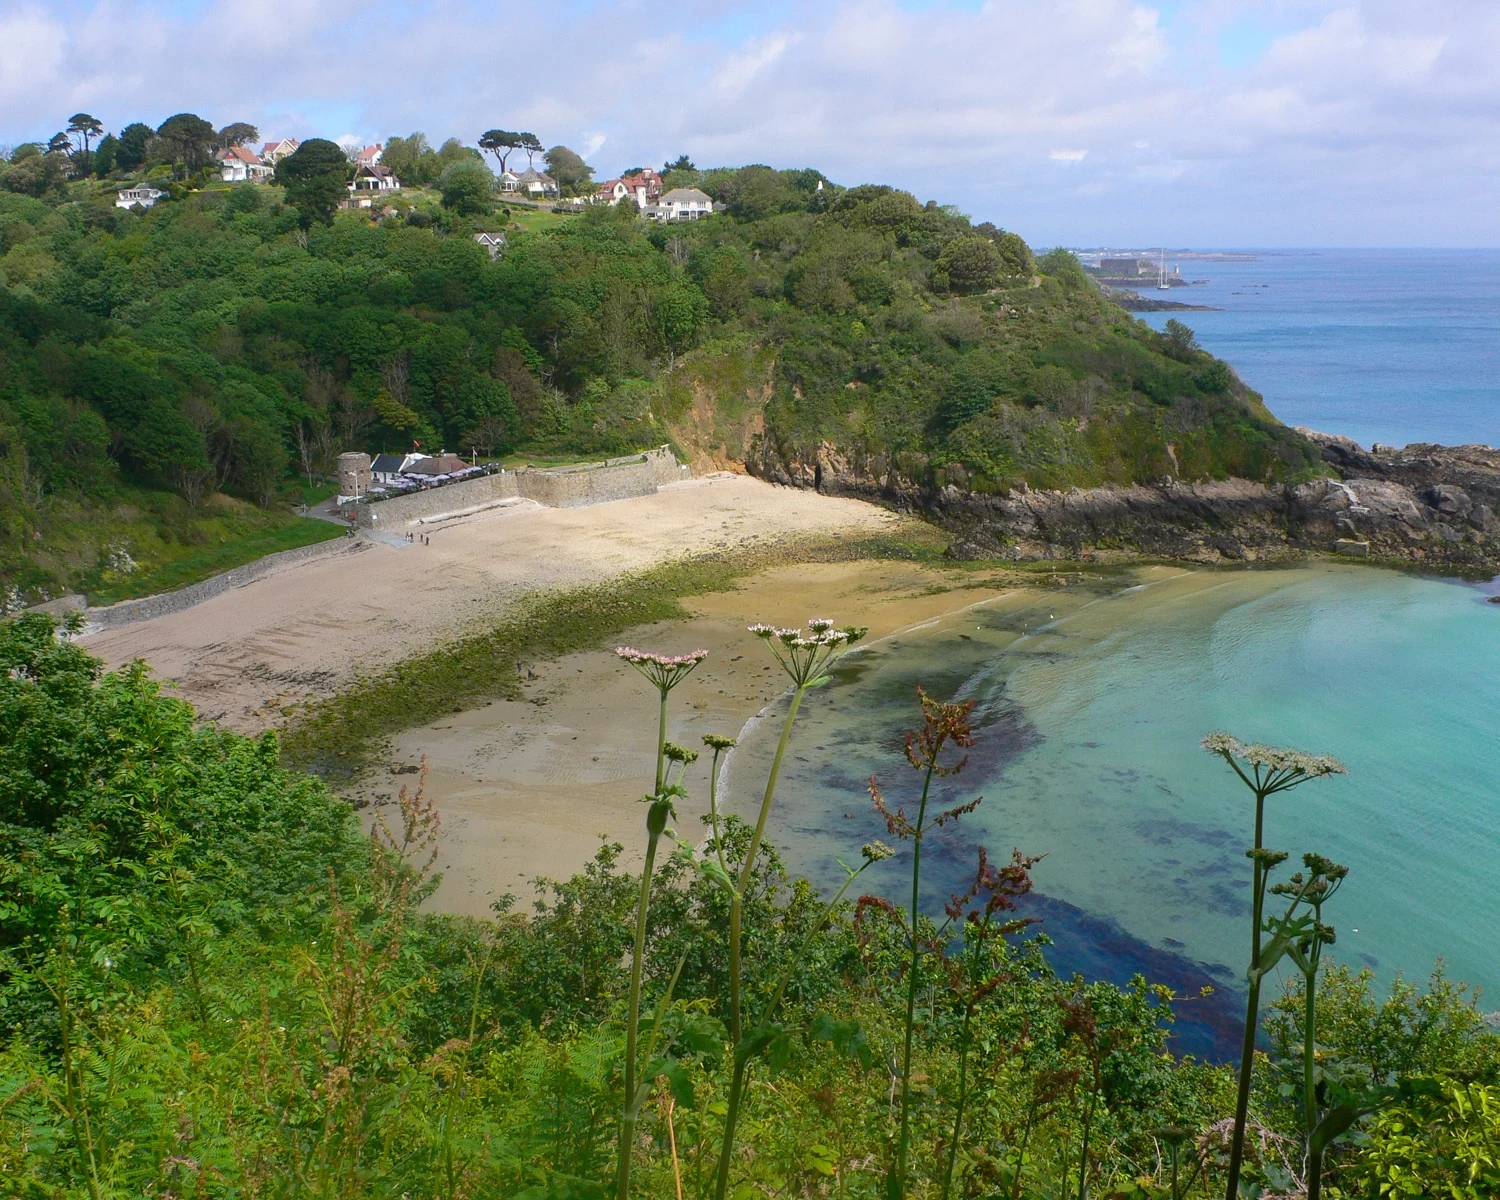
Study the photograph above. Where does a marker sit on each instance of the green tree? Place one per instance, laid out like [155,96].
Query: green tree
[316,177]
[502,143]
[532,145]
[403,156]
[135,141]
[34,174]
[85,128]
[1181,342]
[972,264]
[105,155]
[237,133]
[185,141]
[467,188]
[683,163]
[574,176]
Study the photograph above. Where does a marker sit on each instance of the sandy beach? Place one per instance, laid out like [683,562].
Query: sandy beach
[306,632]
[528,788]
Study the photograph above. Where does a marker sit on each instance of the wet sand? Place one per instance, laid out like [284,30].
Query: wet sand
[529,788]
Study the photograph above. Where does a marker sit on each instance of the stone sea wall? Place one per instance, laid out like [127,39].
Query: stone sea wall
[128,612]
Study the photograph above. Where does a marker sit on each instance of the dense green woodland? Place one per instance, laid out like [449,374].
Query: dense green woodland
[212,984]
[194,360]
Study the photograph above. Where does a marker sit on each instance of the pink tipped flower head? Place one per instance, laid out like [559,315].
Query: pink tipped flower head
[665,671]
[806,656]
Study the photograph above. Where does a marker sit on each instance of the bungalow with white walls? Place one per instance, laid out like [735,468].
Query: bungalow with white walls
[143,194]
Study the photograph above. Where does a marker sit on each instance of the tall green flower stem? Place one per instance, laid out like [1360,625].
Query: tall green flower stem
[1266,772]
[807,658]
[1305,940]
[942,725]
[747,1049]
[665,672]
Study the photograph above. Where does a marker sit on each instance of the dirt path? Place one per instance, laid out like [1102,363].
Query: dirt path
[307,631]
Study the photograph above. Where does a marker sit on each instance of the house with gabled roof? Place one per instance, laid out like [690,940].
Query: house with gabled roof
[536,184]
[493,243]
[273,152]
[240,164]
[643,187]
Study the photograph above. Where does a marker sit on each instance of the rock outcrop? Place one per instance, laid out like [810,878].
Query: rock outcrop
[1434,506]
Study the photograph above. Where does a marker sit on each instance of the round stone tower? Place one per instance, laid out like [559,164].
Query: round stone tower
[354,474]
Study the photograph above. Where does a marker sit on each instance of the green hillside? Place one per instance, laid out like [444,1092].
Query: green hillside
[223,345]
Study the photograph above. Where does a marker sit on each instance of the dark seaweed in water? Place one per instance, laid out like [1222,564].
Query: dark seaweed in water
[1208,1027]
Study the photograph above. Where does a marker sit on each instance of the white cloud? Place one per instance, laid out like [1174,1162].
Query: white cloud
[1363,120]
[31,49]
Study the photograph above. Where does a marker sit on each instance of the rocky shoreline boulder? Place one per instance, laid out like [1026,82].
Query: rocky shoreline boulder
[1433,506]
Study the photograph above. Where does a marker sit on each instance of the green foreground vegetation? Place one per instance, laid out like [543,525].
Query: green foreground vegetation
[237,337]
[212,984]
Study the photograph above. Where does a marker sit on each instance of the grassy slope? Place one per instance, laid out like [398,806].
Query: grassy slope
[85,544]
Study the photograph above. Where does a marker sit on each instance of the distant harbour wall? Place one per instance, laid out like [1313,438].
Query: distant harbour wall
[556,487]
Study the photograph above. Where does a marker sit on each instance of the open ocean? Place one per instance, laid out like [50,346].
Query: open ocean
[1393,346]
[1090,707]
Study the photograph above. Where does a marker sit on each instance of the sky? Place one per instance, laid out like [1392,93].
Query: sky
[1075,122]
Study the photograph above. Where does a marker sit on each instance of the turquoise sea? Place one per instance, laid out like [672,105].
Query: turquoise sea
[1091,702]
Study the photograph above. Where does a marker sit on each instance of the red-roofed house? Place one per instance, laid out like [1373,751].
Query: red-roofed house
[273,152]
[643,187]
[370,155]
[240,164]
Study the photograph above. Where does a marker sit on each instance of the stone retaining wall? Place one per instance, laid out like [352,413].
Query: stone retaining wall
[403,510]
[556,487]
[128,612]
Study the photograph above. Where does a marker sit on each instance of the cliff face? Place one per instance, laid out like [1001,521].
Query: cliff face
[1429,505]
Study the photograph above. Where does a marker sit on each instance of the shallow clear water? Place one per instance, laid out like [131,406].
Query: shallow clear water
[1090,708]
[1392,346]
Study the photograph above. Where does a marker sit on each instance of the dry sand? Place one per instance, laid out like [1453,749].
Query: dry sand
[307,631]
[528,788]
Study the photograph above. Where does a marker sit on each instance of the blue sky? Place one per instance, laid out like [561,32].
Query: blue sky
[1195,122]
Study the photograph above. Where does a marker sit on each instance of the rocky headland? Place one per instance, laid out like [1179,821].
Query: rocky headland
[1426,505]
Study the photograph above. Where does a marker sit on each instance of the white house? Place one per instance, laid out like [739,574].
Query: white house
[240,164]
[535,184]
[273,152]
[370,155]
[509,181]
[143,194]
[370,183]
[682,204]
[643,187]
[387,468]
